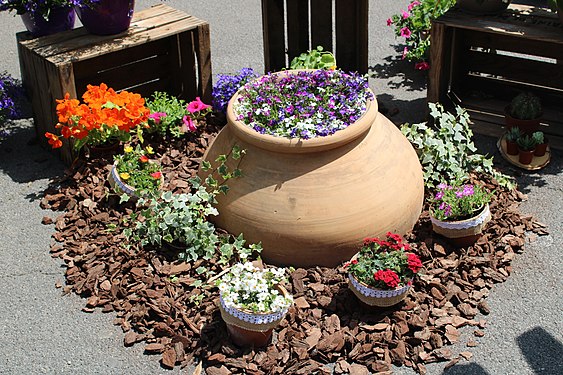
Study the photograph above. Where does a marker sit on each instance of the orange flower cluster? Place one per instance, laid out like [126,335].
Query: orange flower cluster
[104,114]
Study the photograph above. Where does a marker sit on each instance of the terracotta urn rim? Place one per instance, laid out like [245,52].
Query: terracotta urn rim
[298,145]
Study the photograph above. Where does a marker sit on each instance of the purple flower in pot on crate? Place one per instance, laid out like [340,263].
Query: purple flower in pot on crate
[227,85]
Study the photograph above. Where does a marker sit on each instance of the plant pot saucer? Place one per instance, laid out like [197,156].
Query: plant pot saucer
[538,162]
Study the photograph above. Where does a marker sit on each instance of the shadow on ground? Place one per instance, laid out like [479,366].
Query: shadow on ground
[466,369]
[543,352]
[402,111]
[21,157]
[400,74]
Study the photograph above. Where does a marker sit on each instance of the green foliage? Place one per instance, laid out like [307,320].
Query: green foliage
[414,25]
[539,138]
[446,150]
[526,143]
[137,170]
[314,59]
[183,219]
[513,134]
[175,110]
[525,106]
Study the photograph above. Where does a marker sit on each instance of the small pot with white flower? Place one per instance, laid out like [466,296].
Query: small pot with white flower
[133,173]
[253,302]
[381,273]
[460,212]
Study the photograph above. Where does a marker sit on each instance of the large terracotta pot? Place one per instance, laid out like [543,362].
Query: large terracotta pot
[312,202]
[483,6]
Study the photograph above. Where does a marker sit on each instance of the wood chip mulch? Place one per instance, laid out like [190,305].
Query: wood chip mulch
[151,293]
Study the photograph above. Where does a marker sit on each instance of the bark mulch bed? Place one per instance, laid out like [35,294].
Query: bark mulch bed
[152,294]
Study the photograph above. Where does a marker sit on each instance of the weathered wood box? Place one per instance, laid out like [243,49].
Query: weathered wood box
[482,62]
[164,50]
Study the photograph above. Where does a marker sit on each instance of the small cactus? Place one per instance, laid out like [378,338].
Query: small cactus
[513,134]
[526,106]
[526,143]
[538,138]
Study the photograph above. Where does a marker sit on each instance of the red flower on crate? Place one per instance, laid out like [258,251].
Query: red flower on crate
[385,263]
[104,116]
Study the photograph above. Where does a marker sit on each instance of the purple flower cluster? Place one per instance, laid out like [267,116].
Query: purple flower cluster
[305,104]
[227,85]
[10,93]
[458,201]
[42,6]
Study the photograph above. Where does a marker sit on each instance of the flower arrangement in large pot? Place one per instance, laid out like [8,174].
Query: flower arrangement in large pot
[381,273]
[323,170]
[253,302]
[104,118]
[45,17]
[460,212]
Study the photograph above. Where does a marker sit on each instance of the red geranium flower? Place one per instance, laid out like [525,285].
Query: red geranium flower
[389,277]
[414,262]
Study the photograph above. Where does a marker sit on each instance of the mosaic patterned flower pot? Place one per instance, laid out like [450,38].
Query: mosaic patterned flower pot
[60,19]
[463,233]
[251,329]
[376,297]
[312,202]
[119,186]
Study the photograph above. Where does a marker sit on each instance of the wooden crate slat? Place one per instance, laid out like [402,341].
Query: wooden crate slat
[274,35]
[297,27]
[94,65]
[125,76]
[505,23]
[351,35]
[509,43]
[147,88]
[125,42]
[321,24]
[516,69]
[203,53]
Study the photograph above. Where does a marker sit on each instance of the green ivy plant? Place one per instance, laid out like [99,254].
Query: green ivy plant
[446,150]
[183,218]
[314,59]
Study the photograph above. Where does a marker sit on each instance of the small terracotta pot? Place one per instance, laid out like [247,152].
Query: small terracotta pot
[251,329]
[525,157]
[104,150]
[540,149]
[511,148]
[463,233]
[525,126]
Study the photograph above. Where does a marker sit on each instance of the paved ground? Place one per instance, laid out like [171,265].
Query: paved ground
[42,332]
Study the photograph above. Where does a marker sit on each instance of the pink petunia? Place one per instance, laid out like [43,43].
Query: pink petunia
[197,105]
[405,51]
[406,32]
[157,116]
[188,124]
[389,21]
[422,65]
[412,5]
[406,15]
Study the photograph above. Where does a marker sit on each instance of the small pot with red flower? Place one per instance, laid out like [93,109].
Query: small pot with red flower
[460,212]
[381,273]
[133,173]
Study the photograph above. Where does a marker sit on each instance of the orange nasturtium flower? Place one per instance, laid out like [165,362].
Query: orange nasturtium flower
[104,114]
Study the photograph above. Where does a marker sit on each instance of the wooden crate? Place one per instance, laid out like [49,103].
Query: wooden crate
[163,50]
[482,63]
[309,23]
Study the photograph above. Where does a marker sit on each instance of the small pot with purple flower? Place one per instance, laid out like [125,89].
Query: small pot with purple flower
[460,212]
[381,273]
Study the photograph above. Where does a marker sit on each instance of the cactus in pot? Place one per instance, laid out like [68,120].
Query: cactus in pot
[526,147]
[541,143]
[524,112]
[511,137]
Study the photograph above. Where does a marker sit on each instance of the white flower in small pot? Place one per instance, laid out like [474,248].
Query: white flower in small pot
[253,302]
[460,212]
[381,273]
[135,173]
